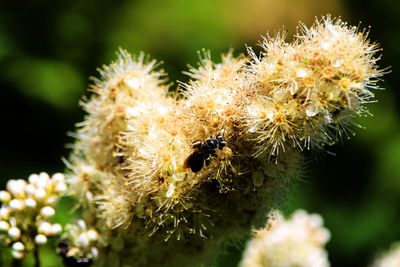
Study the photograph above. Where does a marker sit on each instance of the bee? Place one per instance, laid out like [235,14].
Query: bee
[203,153]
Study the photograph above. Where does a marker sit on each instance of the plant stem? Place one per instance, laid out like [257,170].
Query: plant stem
[36,255]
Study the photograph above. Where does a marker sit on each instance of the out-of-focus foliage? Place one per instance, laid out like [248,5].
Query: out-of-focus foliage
[49,48]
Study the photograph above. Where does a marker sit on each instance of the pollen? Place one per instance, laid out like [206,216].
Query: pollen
[344,83]
[173,132]
[228,112]
[263,114]
[309,81]
[328,72]
[279,118]
[120,111]
[210,104]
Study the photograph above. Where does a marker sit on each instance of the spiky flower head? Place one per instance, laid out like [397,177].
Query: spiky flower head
[308,91]
[193,172]
[298,241]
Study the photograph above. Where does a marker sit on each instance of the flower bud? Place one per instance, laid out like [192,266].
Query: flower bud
[56,229]
[95,252]
[18,254]
[40,194]
[81,224]
[60,187]
[16,205]
[58,177]
[47,212]
[4,213]
[51,201]
[44,228]
[43,180]
[4,226]
[18,246]
[83,239]
[30,189]
[40,239]
[16,187]
[92,235]
[5,197]
[33,179]
[14,233]
[30,203]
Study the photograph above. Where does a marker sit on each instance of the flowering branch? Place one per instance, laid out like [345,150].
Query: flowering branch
[193,171]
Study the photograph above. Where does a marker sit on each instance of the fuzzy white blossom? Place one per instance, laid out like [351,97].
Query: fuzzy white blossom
[297,242]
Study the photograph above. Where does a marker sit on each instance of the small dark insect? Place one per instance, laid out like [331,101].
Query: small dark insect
[204,151]
[70,261]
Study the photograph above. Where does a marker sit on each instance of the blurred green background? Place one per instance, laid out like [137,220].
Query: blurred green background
[48,49]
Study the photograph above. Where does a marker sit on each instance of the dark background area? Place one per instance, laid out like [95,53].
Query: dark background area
[48,49]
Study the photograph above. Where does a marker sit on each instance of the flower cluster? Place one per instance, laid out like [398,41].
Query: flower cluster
[27,210]
[389,259]
[299,241]
[197,170]
[84,240]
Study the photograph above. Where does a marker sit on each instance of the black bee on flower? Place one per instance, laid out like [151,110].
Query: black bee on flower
[203,153]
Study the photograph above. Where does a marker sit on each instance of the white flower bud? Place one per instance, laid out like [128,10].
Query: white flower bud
[40,194]
[60,187]
[16,187]
[30,189]
[4,226]
[14,233]
[47,212]
[40,239]
[44,228]
[18,246]
[30,203]
[5,197]
[56,229]
[81,224]
[17,255]
[43,180]
[83,239]
[16,205]
[51,201]
[58,177]
[33,178]
[95,252]
[92,235]
[4,213]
